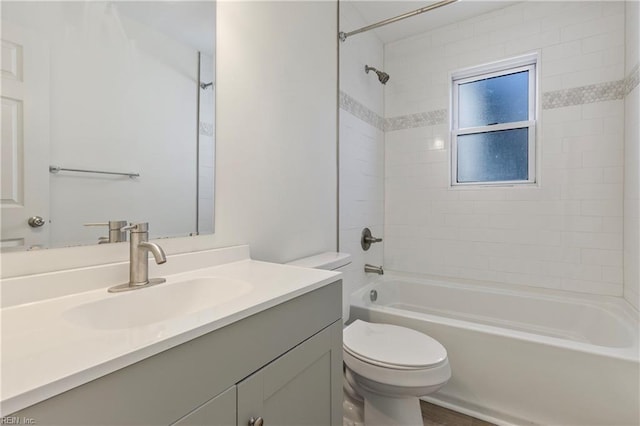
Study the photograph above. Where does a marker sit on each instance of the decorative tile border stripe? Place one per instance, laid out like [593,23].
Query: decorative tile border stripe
[612,90]
[206,129]
[421,119]
[359,110]
[583,95]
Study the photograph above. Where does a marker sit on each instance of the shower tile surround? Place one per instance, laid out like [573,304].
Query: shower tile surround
[632,156]
[361,145]
[565,233]
[614,90]
[361,111]
[610,91]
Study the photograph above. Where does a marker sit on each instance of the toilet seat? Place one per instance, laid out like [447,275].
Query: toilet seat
[392,346]
[399,369]
[388,366]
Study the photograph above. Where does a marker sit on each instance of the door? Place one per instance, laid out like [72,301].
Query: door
[302,387]
[24,154]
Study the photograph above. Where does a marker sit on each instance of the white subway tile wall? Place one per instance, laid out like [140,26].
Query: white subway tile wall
[632,157]
[361,140]
[632,199]
[567,232]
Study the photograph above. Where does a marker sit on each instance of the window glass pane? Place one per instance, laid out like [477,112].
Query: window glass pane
[495,100]
[493,156]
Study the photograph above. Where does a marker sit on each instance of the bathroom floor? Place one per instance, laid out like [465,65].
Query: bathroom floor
[434,415]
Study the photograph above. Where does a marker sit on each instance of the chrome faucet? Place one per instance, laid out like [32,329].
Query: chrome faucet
[138,259]
[374,269]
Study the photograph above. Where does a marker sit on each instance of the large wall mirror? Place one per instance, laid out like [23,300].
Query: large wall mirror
[107,114]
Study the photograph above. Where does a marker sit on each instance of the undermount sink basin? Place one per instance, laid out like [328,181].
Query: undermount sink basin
[158,303]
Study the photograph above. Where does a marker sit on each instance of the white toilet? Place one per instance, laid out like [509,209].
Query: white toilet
[387,367]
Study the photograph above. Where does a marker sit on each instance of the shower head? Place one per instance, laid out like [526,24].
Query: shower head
[382,76]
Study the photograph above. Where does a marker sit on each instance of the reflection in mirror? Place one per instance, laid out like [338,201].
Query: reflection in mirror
[118,87]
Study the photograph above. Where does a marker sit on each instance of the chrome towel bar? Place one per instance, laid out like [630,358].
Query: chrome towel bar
[56,169]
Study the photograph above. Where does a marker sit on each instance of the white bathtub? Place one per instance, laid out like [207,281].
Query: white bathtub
[520,357]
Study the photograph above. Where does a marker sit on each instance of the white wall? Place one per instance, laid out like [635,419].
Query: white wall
[122,98]
[565,234]
[361,147]
[632,158]
[276,127]
[276,162]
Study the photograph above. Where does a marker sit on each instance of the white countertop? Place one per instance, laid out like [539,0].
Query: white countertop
[45,354]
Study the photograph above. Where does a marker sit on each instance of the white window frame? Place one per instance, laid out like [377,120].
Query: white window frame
[482,72]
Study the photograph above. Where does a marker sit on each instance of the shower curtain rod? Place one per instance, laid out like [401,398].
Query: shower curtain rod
[343,36]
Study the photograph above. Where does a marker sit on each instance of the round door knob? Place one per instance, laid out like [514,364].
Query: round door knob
[35,221]
[256,422]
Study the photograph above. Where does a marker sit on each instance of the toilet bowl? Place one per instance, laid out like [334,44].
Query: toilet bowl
[391,367]
[387,367]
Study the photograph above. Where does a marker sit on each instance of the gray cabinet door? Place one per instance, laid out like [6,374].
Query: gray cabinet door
[219,411]
[299,388]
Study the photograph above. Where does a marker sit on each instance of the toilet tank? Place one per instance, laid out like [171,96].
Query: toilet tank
[331,261]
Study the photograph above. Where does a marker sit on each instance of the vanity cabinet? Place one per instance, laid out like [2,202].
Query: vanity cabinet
[295,389]
[283,364]
[221,410]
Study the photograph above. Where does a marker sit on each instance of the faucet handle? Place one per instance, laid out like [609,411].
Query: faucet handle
[367,239]
[116,235]
[136,227]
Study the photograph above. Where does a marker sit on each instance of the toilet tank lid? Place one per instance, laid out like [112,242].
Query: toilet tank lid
[330,260]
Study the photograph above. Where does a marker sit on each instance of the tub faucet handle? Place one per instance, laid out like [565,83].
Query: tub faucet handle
[367,239]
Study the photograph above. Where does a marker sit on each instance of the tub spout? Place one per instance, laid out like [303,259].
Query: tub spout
[374,269]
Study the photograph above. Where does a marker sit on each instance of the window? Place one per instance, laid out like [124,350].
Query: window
[493,123]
